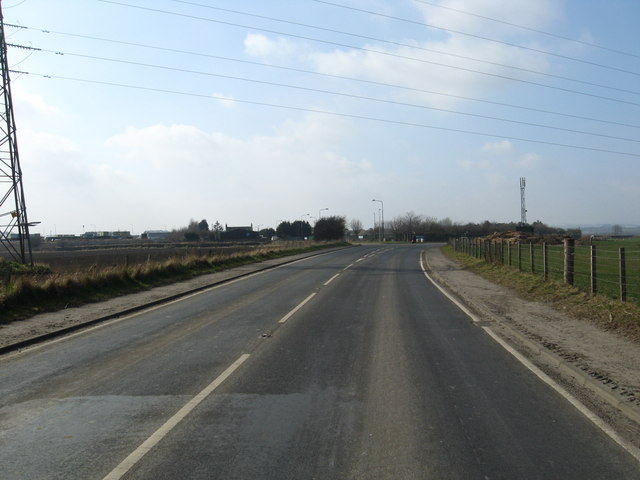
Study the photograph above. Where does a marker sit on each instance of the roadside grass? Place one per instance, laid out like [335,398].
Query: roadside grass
[607,313]
[28,292]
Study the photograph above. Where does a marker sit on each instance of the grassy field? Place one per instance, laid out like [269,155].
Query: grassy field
[607,312]
[607,266]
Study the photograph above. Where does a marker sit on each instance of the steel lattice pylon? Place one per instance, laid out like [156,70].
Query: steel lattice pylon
[14,226]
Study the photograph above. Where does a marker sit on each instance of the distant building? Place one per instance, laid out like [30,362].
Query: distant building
[155,235]
[239,233]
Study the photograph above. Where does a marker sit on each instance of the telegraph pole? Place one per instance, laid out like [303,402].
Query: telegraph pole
[13,210]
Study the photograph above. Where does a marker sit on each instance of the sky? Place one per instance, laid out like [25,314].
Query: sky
[143,115]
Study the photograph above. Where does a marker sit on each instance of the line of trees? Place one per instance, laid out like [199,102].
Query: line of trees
[327,228]
[404,227]
[400,228]
[297,229]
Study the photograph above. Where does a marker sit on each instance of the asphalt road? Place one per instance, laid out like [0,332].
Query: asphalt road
[348,365]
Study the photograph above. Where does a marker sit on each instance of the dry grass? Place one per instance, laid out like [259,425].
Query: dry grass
[609,314]
[30,292]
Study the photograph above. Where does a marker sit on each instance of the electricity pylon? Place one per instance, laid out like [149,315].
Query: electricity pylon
[14,226]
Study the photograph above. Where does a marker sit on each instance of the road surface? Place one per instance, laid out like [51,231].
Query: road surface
[347,365]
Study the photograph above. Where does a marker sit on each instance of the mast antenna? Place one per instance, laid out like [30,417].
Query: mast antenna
[523,207]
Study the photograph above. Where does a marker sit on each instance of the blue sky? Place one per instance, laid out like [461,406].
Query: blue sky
[141,115]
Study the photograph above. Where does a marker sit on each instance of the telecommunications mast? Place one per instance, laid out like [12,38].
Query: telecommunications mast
[523,226]
[523,208]
[14,226]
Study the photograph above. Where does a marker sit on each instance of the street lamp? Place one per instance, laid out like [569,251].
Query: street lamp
[320,212]
[381,217]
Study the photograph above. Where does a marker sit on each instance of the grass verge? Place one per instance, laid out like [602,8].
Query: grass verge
[609,314]
[29,293]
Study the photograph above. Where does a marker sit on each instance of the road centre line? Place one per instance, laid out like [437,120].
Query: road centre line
[133,458]
[610,432]
[298,307]
[331,279]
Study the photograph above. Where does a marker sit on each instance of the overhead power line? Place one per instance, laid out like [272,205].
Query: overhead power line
[479,37]
[334,76]
[338,114]
[403,57]
[413,47]
[329,92]
[530,29]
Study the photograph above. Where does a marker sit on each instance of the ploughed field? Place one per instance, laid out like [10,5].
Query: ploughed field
[84,257]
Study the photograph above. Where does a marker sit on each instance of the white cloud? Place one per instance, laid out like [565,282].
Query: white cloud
[451,14]
[258,45]
[530,160]
[32,104]
[476,164]
[503,146]
[225,100]
[186,172]
[454,65]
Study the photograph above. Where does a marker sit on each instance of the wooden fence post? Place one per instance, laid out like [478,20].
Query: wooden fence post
[623,276]
[594,285]
[519,257]
[531,262]
[509,254]
[545,261]
[569,250]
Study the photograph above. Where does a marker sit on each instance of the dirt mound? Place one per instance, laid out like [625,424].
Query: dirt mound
[523,237]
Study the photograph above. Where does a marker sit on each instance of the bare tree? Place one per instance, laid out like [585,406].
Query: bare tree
[356,226]
[411,223]
[395,227]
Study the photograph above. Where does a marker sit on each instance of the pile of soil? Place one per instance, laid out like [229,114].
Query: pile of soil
[523,237]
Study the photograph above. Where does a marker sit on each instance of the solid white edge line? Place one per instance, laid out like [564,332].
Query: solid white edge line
[610,432]
[331,279]
[633,451]
[298,307]
[135,456]
[446,294]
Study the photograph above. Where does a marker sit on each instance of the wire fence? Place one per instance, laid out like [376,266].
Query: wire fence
[610,267]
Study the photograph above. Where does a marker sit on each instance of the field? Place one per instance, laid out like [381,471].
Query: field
[607,263]
[77,260]
[607,260]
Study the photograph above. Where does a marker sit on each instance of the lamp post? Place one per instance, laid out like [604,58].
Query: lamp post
[320,212]
[381,216]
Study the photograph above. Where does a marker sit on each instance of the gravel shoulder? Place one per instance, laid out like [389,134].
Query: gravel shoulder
[602,359]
